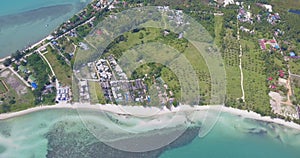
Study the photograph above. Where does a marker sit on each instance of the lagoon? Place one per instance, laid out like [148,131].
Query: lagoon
[23,23]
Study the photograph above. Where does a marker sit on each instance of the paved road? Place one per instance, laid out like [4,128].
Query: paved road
[294,75]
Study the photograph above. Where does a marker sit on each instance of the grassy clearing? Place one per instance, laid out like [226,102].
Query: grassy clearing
[296,90]
[75,89]
[13,100]
[96,93]
[2,87]
[198,63]
[133,39]
[161,54]
[286,4]
[218,30]
[233,79]
[62,71]
[256,92]
[294,66]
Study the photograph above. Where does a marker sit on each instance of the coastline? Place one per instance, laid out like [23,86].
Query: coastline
[138,111]
[150,111]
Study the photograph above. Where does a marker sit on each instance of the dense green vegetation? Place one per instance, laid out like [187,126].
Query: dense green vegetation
[41,71]
[84,30]
[134,38]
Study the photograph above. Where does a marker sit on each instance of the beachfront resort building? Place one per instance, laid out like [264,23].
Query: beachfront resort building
[63,94]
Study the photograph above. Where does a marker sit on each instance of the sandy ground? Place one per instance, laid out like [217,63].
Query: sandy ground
[150,111]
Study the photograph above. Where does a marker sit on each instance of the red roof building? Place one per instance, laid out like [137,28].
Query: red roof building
[270,78]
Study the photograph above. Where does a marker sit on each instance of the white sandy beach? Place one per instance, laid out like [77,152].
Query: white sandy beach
[140,111]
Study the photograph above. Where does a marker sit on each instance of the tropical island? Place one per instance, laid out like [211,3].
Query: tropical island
[257,40]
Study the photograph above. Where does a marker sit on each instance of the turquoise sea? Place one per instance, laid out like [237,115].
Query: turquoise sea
[24,22]
[62,133]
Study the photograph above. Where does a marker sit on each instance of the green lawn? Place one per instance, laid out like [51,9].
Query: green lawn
[62,71]
[285,5]
[233,79]
[13,100]
[294,66]
[256,92]
[75,89]
[296,90]
[218,29]
[96,93]
[2,87]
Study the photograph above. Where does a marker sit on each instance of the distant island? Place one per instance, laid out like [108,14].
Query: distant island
[258,42]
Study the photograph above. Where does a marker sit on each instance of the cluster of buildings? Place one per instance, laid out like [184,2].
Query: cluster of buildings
[120,75]
[273,18]
[115,84]
[273,83]
[98,5]
[244,16]
[86,15]
[175,16]
[164,94]
[225,2]
[128,91]
[278,32]
[273,43]
[63,94]
[266,6]
[104,74]
[103,70]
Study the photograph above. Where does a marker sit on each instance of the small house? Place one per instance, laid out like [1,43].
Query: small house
[292,54]
[34,85]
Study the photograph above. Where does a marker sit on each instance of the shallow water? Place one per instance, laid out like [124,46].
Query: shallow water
[235,137]
[23,23]
[61,133]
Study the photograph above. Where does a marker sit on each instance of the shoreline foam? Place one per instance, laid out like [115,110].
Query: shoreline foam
[140,111]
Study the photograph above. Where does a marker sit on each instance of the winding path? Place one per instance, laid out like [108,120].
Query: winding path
[53,73]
